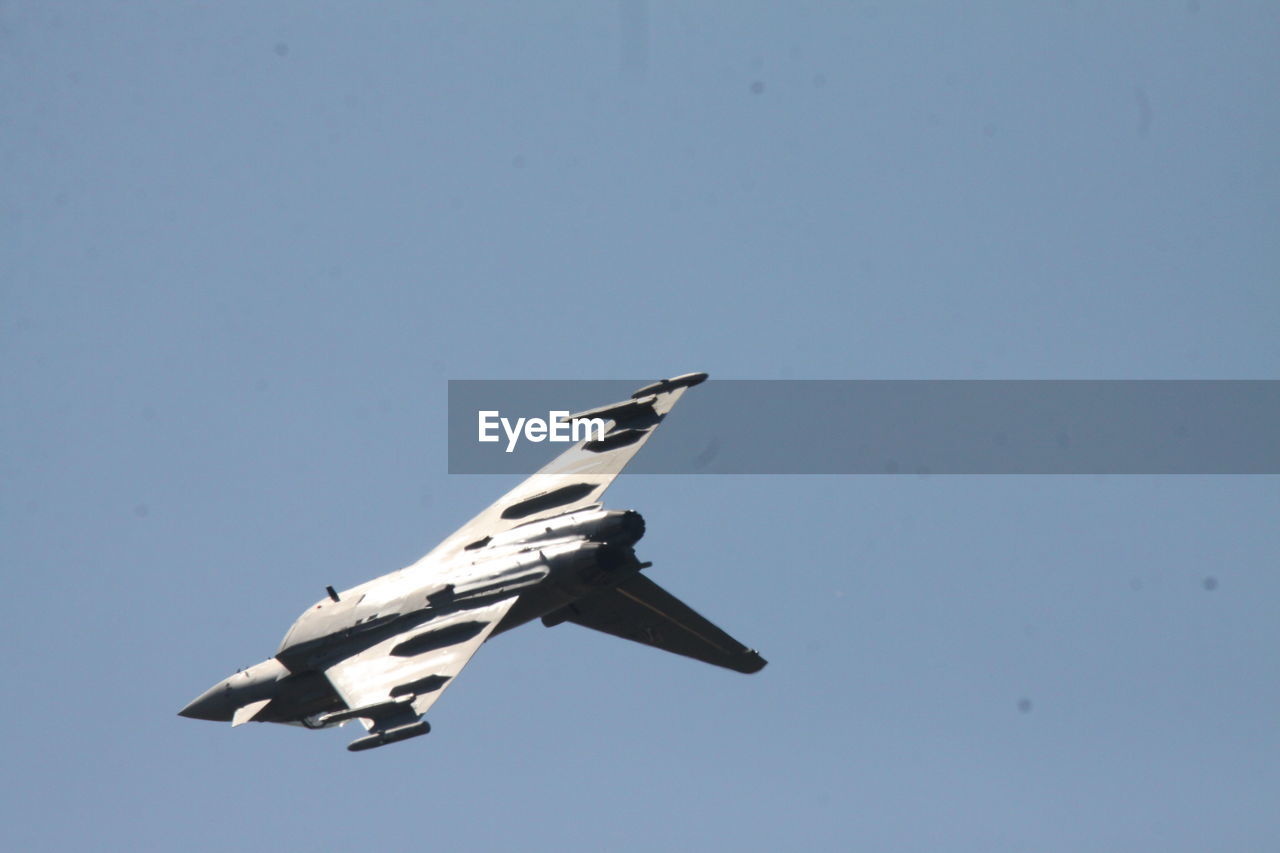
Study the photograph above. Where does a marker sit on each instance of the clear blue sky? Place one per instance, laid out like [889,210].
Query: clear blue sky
[244,246]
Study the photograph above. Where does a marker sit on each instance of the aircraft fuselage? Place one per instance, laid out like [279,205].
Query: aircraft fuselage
[549,564]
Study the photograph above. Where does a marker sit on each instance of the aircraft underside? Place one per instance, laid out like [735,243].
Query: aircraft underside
[384,651]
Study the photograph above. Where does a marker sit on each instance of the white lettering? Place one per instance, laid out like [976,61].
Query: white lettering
[487,424]
[512,434]
[559,426]
[589,424]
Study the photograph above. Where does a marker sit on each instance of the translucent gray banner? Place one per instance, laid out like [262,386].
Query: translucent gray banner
[895,426]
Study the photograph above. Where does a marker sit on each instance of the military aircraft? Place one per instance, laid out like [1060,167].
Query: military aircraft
[384,651]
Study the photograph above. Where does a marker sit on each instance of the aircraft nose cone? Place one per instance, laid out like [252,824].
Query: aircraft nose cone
[213,704]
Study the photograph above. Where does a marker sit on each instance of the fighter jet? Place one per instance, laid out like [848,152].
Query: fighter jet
[383,652]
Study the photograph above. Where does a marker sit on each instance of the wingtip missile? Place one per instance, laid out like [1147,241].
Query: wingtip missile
[687,380]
